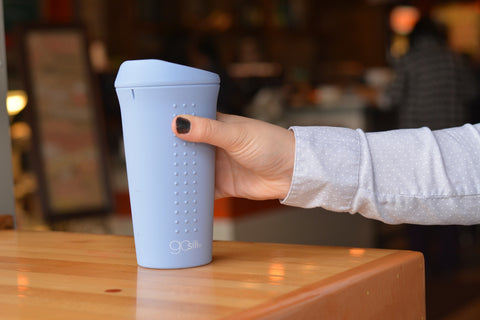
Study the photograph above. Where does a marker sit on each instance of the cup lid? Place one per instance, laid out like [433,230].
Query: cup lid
[152,72]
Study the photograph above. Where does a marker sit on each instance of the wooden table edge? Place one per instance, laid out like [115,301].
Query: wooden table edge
[326,297]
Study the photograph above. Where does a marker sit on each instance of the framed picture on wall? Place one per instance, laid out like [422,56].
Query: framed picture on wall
[68,143]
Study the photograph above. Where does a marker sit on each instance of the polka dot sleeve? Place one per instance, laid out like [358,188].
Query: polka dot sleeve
[401,176]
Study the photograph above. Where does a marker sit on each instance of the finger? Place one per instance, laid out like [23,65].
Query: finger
[198,129]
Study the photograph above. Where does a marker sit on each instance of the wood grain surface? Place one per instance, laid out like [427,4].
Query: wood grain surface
[55,275]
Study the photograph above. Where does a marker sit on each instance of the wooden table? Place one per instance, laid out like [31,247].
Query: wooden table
[54,275]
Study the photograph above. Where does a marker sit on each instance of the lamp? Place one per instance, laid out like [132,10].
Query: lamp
[16,101]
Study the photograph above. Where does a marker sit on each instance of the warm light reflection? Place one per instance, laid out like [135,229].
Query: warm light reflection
[16,101]
[22,285]
[309,266]
[276,272]
[356,252]
[249,285]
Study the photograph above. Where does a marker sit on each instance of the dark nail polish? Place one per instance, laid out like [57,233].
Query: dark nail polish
[183,125]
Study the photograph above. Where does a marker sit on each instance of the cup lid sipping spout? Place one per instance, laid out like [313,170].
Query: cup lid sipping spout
[152,72]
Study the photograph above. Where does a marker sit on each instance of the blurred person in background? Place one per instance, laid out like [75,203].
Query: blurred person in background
[433,86]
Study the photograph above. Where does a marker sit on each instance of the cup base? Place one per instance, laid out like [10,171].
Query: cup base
[148,266]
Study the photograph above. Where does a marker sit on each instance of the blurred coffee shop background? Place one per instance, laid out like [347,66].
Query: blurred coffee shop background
[289,62]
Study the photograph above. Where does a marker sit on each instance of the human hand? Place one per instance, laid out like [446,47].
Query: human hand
[254,159]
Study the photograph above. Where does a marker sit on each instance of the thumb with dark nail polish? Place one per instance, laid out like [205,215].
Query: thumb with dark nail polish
[182,125]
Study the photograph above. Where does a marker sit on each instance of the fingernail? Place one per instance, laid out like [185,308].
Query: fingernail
[183,125]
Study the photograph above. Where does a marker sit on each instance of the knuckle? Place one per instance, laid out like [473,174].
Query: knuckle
[207,129]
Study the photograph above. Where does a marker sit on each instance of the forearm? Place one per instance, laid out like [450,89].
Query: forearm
[402,176]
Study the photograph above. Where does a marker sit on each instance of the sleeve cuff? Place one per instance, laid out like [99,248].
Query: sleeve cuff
[327,161]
